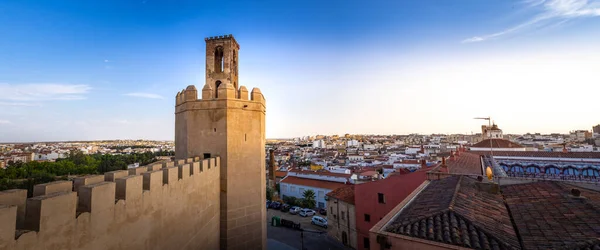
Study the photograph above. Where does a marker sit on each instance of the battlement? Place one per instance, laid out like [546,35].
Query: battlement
[225,92]
[219,37]
[122,209]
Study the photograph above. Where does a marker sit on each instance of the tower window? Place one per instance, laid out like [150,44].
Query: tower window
[217,84]
[245,137]
[215,129]
[219,59]
[234,64]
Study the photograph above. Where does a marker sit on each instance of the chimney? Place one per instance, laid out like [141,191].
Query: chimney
[458,151]
[575,192]
[451,154]
[423,163]
[444,167]
[422,149]
[565,148]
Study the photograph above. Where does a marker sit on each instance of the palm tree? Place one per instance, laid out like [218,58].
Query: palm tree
[309,198]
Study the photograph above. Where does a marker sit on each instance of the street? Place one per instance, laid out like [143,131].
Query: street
[313,238]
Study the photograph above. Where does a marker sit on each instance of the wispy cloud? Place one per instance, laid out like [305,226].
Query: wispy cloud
[43,91]
[5,122]
[550,12]
[145,95]
[21,104]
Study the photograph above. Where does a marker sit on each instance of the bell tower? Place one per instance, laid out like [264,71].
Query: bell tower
[221,61]
[228,122]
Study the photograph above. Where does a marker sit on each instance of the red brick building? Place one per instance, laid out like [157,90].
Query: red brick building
[373,200]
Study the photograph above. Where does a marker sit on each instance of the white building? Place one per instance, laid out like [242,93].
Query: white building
[297,182]
[318,144]
[356,158]
[412,150]
[352,143]
[48,156]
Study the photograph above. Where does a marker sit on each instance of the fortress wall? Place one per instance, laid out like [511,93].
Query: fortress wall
[169,208]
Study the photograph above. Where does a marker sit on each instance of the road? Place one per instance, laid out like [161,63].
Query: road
[314,237]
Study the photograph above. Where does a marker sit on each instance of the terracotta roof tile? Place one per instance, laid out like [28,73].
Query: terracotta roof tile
[541,154]
[496,143]
[280,174]
[345,194]
[465,163]
[548,217]
[325,173]
[454,211]
[313,183]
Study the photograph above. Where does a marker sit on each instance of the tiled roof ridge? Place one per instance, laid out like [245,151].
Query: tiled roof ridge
[488,234]
[451,206]
[456,229]
[587,244]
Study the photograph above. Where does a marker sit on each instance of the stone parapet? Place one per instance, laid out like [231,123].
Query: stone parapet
[227,92]
[118,211]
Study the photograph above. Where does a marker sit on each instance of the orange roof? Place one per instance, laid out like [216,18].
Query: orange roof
[466,163]
[345,194]
[313,183]
[369,173]
[280,174]
[496,143]
[325,173]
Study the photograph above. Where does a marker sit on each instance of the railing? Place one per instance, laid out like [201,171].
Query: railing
[544,176]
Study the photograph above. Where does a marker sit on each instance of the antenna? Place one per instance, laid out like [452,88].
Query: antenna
[489,119]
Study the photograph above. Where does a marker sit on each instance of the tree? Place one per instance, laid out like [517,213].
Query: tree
[309,198]
[269,193]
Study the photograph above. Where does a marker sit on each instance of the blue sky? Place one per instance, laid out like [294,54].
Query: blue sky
[87,70]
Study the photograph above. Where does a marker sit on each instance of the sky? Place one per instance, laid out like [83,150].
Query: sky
[93,70]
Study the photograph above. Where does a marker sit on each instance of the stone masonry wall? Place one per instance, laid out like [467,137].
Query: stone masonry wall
[167,205]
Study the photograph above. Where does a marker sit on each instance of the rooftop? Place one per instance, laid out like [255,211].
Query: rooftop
[345,194]
[462,211]
[542,154]
[313,183]
[496,143]
[454,211]
[547,216]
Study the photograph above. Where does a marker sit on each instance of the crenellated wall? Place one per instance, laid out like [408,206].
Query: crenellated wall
[170,205]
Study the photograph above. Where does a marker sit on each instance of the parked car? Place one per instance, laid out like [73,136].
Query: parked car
[323,211]
[319,221]
[275,205]
[306,212]
[294,210]
[285,208]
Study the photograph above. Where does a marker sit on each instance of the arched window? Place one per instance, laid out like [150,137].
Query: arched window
[570,171]
[234,64]
[517,169]
[217,84]
[506,169]
[532,169]
[590,172]
[552,170]
[219,59]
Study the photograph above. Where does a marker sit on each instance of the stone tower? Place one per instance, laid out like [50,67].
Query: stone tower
[226,122]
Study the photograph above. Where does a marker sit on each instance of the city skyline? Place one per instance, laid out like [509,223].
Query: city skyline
[111,70]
